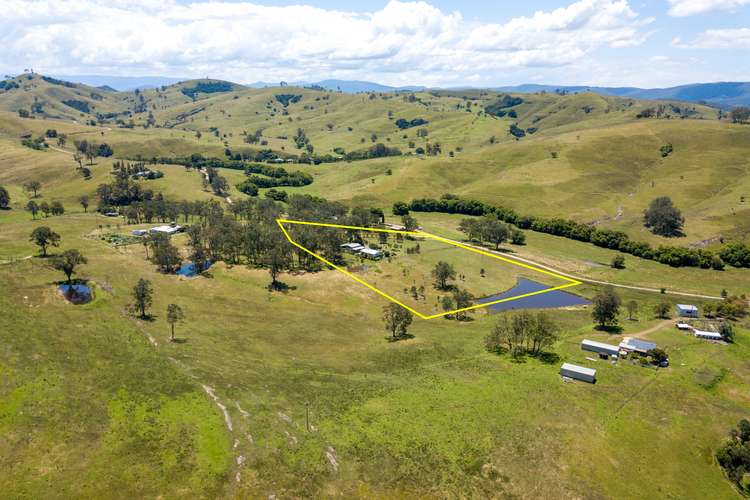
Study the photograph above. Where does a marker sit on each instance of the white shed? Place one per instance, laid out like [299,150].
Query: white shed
[600,347]
[707,335]
[371,253]
[687,310]
[578,372]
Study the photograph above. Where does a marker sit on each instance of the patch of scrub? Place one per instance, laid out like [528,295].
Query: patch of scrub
[547,300]
[76,293]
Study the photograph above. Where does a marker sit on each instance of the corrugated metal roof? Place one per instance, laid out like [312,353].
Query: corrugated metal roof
[687,307]
[711,335]
[636,344]
[600,345]
[579,369]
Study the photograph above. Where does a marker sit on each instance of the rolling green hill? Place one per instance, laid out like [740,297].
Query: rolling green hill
[300,393]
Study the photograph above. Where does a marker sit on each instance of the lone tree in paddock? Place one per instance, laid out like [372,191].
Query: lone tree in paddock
[632,309]
[68,261]
[174,315]
[396,320]
[142,296]
[44,237]
[33,187]
[606,307]
[84,201]
[663,218]
[442,273]
[661,310]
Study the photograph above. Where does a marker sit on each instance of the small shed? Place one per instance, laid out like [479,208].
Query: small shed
[578,372]
[684,326]
[687,311]
[636,345]
[139,232]
[600,347]
[701,334]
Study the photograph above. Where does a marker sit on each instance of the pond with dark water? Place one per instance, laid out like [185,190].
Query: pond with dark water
[547,300]
[76,294]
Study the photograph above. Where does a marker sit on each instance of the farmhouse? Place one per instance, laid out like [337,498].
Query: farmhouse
[371,253]
[635,345]
[167,229]
[687,311]
[578,373]
[707,335]
[352,247]
[600,347]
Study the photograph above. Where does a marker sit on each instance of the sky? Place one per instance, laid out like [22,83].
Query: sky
[654,43]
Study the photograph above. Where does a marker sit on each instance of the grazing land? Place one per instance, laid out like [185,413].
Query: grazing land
[289,384]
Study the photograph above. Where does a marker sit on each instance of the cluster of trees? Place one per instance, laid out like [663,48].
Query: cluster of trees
[507,101]
[38,143]
[206,88]
[416,122]
[47,209]
[522,333]
[491,230]
[732,307]
[734,456]
[137,170]
[286,99]
[92,150]
[615,240]
[663,218]
[740,115]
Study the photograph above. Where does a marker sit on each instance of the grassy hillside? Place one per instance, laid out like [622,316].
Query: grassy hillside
[299,393]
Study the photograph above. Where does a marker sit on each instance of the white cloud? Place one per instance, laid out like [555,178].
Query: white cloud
[718,39]
[682,8]
[403,42]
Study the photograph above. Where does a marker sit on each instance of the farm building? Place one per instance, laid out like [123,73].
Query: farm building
[139,232]
[707,335]
[635,345]
[578,372]
[352,247]
[683,326]
[167,229]
[687,311]
[370,253]
[600,347]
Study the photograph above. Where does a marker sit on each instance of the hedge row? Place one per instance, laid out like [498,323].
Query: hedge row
[735,254]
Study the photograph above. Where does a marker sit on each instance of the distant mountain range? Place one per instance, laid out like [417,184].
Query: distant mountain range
[720,94]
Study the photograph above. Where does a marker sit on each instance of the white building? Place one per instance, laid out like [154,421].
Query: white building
[600,347]
[687,311]
[707,335]
[635,345]
[371,253]
[352,247]
[578,373]
[167,229]
[684,326]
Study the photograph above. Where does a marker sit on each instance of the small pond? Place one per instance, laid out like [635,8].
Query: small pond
[547,300]
[76,294]
[189,269]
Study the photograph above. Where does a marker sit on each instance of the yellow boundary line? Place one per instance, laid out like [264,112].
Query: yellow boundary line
[570,282]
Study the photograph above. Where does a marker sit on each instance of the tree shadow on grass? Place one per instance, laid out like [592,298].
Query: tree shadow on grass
[148,317]
[178,340]
[548,358]
[399,338]
[611,329]
[280,286]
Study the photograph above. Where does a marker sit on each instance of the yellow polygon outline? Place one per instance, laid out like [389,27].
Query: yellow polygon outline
[571,282]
